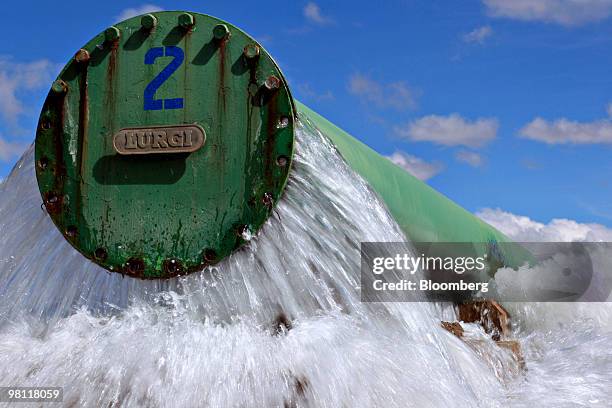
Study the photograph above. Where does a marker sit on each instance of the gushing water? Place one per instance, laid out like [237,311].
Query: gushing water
[278,323]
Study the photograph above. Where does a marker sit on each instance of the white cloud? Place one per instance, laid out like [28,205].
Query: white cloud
[450,130]
[9,150]
[609,109]
[136,11]
[395,95]
[478,35]
[524,229]
[565,12]
[312,12]
[307,91]
[530,164]
[416,166]
[564,131]
[17,78]
[472,158]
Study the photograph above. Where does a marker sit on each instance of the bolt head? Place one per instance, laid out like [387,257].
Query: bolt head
[210,255]
[43,163]
[186,20]
[134,266]
[282,161]
[81,56]
[59,86]
[148,21]
[220,31]
[272,83]
[100,254]
[71,231]
[283,122]
[112,34]
[267,200]
[172,266]
[251,51]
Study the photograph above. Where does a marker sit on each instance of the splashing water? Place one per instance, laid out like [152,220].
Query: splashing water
[278,323]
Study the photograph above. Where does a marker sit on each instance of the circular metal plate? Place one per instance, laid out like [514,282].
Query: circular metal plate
[163,142]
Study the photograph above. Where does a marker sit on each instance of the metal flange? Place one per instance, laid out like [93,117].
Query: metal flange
[165,140]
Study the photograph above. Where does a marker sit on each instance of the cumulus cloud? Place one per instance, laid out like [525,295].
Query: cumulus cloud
[564,12]
[18,78]
[136,11]
[468,157]
[307,91]
[564,131]
[530,164]
[524,229]
[416,166]
[478,35]
[395,95]
[9,150]
[452,130]
[313,13]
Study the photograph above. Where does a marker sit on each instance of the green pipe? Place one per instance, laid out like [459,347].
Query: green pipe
[424,214]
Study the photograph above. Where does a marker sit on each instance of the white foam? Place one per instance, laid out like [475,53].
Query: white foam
[210,339]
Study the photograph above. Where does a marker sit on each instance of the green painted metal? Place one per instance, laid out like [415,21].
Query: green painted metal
[160,215]
[424,214]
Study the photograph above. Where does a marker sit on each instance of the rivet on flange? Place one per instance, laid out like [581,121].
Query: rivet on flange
[100,254]
[272,83]
[112,33]
[210,255]
[282,161]
[220,31]
[148,21]
[134,266]
[251,51]
[82,56]
[59,86]
[186,20]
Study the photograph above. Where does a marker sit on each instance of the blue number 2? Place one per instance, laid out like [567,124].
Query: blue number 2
[150,103]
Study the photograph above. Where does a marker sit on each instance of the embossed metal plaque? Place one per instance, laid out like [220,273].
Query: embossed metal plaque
[159,139]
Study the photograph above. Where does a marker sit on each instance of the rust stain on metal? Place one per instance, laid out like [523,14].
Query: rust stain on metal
[187,47]
[57,108]
[222,44]
[83,128]
[270,143]
[110,72]
[109,116]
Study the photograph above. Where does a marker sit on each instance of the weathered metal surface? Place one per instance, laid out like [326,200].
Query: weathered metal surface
[159,139]
[161,215]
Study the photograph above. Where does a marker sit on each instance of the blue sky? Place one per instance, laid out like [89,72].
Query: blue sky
[495,103]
